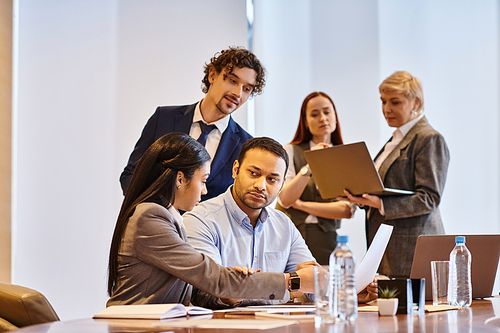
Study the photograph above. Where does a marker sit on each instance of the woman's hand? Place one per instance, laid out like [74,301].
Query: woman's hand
[245,270]
[365,200]
[320,145]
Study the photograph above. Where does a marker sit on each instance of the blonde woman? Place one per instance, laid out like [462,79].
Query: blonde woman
[416,159]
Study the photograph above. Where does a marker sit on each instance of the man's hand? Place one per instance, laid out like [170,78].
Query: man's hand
[295,294]
[306,274]
[306,264]
[369,293]
[304,270]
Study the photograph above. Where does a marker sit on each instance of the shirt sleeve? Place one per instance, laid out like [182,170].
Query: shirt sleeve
[201,236]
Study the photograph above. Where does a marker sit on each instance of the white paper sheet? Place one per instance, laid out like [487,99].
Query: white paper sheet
[367,268]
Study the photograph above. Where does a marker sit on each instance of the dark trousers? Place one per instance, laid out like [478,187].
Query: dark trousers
[320,243]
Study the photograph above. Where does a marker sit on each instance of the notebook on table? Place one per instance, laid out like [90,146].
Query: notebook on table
[485,251]
[346,167]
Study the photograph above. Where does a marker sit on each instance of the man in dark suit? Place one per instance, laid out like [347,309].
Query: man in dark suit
[231,77]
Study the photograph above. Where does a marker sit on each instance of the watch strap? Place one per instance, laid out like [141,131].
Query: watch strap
[294,281]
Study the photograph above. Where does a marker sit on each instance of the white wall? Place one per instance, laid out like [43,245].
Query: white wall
[90,75]
[92,72]
[66,190]
[282,41]
[162,47]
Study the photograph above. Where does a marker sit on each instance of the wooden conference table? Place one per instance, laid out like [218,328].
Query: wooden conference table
[452,321]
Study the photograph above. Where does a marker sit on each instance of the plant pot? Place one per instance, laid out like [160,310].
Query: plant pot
[387,306]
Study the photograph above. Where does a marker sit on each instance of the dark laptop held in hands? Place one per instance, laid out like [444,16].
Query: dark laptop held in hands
[485,251]
[346,167]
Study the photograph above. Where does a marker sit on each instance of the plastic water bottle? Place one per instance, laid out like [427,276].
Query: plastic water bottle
[342,266]
[459,282]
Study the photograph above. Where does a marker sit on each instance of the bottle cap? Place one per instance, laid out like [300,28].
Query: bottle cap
[342,239]
[460,239]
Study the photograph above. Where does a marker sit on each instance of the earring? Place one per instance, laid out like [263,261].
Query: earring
[178,186]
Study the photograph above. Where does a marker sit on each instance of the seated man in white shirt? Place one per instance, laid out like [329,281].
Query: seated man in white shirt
[237,228]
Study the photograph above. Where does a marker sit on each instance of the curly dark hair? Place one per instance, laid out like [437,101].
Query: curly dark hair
[239,57]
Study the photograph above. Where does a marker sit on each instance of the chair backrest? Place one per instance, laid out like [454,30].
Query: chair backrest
[21,306]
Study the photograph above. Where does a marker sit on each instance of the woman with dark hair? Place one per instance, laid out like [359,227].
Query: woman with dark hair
[316,218]
[150,260]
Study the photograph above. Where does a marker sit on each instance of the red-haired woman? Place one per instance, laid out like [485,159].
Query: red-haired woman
[316,218]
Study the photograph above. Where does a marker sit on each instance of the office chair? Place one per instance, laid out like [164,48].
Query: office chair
[21,306]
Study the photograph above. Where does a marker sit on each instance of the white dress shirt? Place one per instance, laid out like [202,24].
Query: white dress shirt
[397,137]
[214,136]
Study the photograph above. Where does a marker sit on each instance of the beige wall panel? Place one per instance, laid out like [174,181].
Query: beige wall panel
[5,137]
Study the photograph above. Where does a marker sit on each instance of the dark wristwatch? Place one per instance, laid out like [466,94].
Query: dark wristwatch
[294,282]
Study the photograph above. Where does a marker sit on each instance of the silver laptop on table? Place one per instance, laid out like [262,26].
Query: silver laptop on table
[346,167]
[485,251]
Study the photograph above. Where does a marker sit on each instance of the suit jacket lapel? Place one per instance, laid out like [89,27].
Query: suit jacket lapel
[228,143]
[397,151]
[381,150]
[182,122]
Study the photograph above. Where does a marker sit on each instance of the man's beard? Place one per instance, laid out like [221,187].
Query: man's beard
[241,194]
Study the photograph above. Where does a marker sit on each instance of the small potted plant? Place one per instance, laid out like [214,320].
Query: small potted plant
[387,301]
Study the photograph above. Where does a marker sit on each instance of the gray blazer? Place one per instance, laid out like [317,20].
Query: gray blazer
[420,164]
[157,265]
